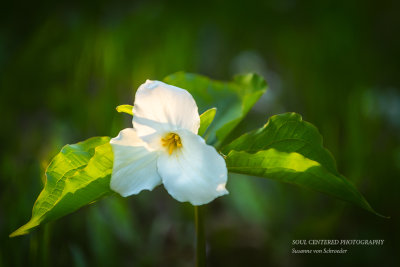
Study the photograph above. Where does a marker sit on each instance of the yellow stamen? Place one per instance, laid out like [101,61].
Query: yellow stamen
[171,141]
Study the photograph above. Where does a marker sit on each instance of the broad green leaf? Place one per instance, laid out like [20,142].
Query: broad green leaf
[125,109]
[288,149]
[77,176]
[232,99]
[205,120]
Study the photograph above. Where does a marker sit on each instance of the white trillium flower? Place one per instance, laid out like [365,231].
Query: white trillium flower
[163,147]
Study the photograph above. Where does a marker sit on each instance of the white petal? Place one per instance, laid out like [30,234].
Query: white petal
[195,173]
[163,108]
[135,165]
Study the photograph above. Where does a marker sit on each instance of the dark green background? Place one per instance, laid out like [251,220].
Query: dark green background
[65,66]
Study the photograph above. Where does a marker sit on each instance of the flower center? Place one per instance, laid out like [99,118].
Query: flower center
[171,141]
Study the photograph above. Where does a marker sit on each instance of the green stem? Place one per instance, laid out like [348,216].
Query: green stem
[200,236]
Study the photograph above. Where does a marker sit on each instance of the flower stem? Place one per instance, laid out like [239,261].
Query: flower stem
[200,236]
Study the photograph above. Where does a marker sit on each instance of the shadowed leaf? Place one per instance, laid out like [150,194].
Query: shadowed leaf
[232,99]
[288,149]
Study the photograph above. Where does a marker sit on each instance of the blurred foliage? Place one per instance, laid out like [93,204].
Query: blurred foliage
[65,66]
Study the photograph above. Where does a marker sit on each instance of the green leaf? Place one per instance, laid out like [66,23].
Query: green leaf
[288,149]
[232,99]
[125,109]
[77,176]
[205,120]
